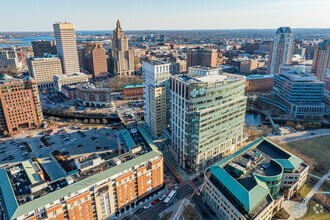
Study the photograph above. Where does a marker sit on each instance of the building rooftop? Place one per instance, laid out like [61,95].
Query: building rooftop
[157,62]
[65,76]
[254,163]
[297,76]
[130,86]
[19,200]
[259,77]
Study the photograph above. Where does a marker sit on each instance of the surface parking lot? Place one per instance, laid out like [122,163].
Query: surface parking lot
[77,142]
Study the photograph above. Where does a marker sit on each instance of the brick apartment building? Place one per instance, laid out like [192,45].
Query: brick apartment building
[259,84]
[133,90]
[204,57]
[20,103]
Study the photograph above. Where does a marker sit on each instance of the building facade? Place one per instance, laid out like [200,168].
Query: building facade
[120,56]
[133,91]
[95,60]
[253,182]
[259,84]
[69,79]
[9,58]
[156,76]
[200,56]
[302,93]
[321,59]
[281,50]
[20,104]
[43,47]
[43,70]
[103,191]
[207,117]
[88,94]
[66,46]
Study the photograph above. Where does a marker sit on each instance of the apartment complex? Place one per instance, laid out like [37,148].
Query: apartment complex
[321,59]
[207,117]
[66,46]
[95,60]
[44,48]
[281,50]
[100,190]
[259,84]
[20,103]
[301,93]
[121,57]
[201,56]
[69,79]
[156,76]
[10,58]
[253,182]
[43,70]
[88,94]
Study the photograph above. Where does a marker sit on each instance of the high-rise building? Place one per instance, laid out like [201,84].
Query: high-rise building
[43,47]
[66,46]
[43,70]
[207,117]
[281,50]
[321,59]
[10,58]
[20,103]
[156,76]
[96,60]
[103,189]
[252,183]
[200,56]
[121,57]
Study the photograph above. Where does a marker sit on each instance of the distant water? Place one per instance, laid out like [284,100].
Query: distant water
[253,119]
[26,41]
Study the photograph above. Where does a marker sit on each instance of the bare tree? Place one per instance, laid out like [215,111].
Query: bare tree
[92,121]
[97,121]
[104,121]
[85,121]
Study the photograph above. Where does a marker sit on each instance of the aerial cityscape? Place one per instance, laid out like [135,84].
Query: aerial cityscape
[219,110]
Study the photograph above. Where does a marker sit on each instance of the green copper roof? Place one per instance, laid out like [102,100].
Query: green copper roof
[130,86]
[5,76]
[127,138]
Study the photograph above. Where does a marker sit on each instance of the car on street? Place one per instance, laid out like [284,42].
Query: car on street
[176,186]
[106,147]
[147,206]
[80,145]
[162,197]
[98,147]
[155,202]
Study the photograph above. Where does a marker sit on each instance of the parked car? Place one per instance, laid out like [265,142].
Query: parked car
[155,202]
[98,147]
[176,186]
[106,147]
[147,206]
[162,197]
[80,145]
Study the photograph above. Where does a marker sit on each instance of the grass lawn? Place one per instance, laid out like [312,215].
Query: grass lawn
[315,148]
[311,215]
[307,187]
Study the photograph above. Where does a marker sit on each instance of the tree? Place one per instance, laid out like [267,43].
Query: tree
[75,121]
[92,121]
[97,121]
[104,121]
[85,121]
[5,133]
[117,82]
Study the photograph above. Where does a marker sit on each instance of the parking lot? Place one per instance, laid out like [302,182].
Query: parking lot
[75,142]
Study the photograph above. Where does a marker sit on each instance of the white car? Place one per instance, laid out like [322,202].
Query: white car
[147,206]
[176,186]
[162,197]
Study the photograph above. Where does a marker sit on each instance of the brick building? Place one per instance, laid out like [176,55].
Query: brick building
[204,57]
[20,103]
[259,84]
[89,94]
[321,59]
[133,90]
[95,60]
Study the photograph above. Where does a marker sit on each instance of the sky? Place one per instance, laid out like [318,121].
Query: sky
[39,15]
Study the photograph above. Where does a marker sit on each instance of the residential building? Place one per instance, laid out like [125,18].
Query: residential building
[259,84]
[321,59]
[156,76]
[44,48]
[178,66]
[326,95]
[69,79]
[120,56]
[43,70]
[301,93]
[10,58]
[248,66]
[88,94]
[103,190]
[252,183]
[200,56]
[20,103]
[133,91]
[198,71]
[96,60]
[207,117]
[281,50]
[66,46]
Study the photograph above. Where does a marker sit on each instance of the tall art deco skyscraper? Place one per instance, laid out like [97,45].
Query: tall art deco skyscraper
[281,50]
[66,46]
[121,58]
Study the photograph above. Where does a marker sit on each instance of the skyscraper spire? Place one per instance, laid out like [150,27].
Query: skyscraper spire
[118,24]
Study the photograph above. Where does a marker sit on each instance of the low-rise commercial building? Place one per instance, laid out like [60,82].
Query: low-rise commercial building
[43,70]
[115,186]
[88,94]
[20,103]
[259,84]
[69,79]
[253,182]
[133,91]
